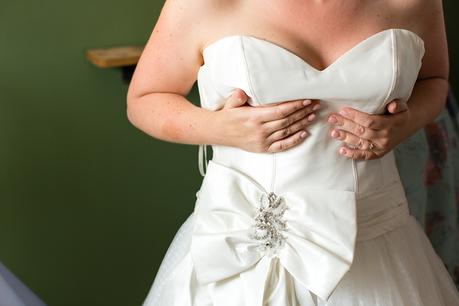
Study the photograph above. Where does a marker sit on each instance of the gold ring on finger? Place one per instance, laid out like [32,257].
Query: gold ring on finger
[371,145]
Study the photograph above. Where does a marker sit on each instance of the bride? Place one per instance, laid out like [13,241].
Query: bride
[302,103]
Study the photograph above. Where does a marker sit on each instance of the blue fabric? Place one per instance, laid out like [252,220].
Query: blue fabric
[13,292]
[428,162]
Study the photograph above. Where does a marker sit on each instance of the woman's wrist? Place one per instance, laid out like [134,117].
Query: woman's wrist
[173,118]
[199,126]
[214,132]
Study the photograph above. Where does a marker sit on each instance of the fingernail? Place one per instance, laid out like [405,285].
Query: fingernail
[343,112]
[303,134]
[335,133]
[306,102]
[342,151]
[332,119]
[316,107]
[311,117]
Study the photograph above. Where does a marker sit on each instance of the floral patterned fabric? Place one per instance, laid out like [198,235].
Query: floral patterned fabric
[428,162]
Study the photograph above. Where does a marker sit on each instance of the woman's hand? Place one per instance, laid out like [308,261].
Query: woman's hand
[267,128]
[359,129]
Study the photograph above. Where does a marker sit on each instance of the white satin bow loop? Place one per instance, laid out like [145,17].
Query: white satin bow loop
[237,223]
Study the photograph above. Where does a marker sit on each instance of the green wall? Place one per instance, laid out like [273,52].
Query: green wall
[88,203]
[451,10]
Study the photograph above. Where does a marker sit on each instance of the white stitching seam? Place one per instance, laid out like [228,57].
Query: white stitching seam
[394,69]
[356,176]
[273,178]
[247,72]
[252,89]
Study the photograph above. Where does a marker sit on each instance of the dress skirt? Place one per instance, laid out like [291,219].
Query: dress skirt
[394,265]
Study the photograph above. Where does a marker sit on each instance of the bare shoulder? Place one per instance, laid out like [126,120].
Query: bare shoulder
[172,55]
[426,18]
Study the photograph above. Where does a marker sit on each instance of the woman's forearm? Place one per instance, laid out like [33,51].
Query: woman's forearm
[426,102]
[173,118]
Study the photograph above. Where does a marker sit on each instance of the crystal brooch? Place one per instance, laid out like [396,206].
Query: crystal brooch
[269,225]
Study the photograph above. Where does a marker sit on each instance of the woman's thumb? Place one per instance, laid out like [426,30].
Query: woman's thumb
[237,98]
[396,106]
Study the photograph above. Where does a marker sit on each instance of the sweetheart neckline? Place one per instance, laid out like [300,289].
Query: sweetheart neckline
[306,63]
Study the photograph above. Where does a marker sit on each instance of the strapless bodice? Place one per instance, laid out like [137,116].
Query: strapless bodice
[323,189]
[367,77]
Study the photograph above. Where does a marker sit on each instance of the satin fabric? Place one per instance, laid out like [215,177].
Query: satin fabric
[269,73]
[335,205]
[317,235]
[320,238]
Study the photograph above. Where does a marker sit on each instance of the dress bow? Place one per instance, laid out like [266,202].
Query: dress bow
[242,229]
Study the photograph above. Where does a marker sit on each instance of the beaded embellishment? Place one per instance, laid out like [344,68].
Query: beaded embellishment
[269,224]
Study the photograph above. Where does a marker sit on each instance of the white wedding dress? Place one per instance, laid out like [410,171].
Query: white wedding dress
[305,226]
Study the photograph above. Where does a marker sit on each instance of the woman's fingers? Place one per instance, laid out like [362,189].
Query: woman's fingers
[281,110]
[306,112]
[270,127]
[355,141]
[360,154]
[395,106]
[358,130]
[281,129]
[374,122]
[291,129]
[352,127]
[287,143]
[284,123]
[237,98]
[357,135]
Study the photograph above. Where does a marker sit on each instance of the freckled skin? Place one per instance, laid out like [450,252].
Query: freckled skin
[318,31]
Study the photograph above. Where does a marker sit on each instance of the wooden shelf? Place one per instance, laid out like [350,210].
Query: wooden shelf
[114,57]
[125,57]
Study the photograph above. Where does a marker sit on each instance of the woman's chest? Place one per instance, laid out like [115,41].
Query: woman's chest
[317,31]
